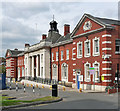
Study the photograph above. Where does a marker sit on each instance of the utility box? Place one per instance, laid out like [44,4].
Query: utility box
[54,90]
[2,81]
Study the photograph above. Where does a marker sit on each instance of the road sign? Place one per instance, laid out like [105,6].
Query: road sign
[80,78]
[92,70]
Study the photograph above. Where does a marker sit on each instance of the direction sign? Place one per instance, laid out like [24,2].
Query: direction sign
[80,78]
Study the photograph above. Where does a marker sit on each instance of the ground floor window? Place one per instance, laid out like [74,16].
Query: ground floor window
[96,65]
[64,71]
[22,71]
[87,72]
[54,71]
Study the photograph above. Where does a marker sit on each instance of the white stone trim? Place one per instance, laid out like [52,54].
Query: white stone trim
[73,58]
[106,49]
[106,42]
[74,53]
[74,78]
[74,48]
[106,68]
[107,81]
[106,35]
[106,74]
[73,70]
[106,62]
[74,64]
[74,42]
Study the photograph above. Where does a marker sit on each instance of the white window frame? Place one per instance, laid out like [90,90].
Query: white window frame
[56,56]
[63,71]
[96,79]
[52,57]
[87,79]
[79,55]
[67,54]
[61,55]
[85,48]
[23,72]
[117,52]
[54,72]
[94,50]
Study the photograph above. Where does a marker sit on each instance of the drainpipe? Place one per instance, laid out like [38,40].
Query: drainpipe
[58,64]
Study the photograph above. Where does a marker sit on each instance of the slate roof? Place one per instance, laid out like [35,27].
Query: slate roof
[63,38]
[14,53]
[108,21]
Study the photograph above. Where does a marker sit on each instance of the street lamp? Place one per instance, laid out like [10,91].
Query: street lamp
[83,74]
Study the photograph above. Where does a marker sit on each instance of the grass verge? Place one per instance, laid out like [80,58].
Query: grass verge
[6,102]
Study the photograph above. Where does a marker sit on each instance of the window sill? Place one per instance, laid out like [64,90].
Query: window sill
[87,55]
[67,59]
[117,52]
[80,56]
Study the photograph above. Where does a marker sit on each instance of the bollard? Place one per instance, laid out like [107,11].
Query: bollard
[37,85]
[39,92]
[31,85]
[80,90]
[24,88]
[10,86]
[33,89]
[63,88]
[16,86]
[50,87]
[43,86]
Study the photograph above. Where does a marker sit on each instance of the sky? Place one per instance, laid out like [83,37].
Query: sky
[25,22]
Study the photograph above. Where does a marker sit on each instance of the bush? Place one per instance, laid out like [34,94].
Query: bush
[109,87]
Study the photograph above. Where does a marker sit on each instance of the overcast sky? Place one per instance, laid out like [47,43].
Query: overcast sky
[19,19]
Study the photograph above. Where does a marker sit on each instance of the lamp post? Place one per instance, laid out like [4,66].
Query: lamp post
[83,74]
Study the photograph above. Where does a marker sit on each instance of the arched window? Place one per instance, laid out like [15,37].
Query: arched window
[54,72]
[96,65]
[87,72]
[64,71]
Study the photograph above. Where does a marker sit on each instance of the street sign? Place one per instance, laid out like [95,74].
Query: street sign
[92,70]
[80,78]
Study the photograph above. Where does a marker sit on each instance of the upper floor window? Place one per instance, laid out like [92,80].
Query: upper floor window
[52,57]
[61,55]
[79,49]
[67,54]
[56,56]
[117,46]
[41,58]
[95,46]
[87,48]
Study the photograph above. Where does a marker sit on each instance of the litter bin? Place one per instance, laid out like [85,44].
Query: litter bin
[54,90]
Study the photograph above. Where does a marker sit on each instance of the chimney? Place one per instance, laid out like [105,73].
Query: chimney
[44,36]
[66,29]
[15,49]
[27,45]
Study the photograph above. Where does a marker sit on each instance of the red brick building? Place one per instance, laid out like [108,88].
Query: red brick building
[94,43]
[12,63]
[87,58]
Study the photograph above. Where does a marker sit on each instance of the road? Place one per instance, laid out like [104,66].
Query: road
[75,100]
